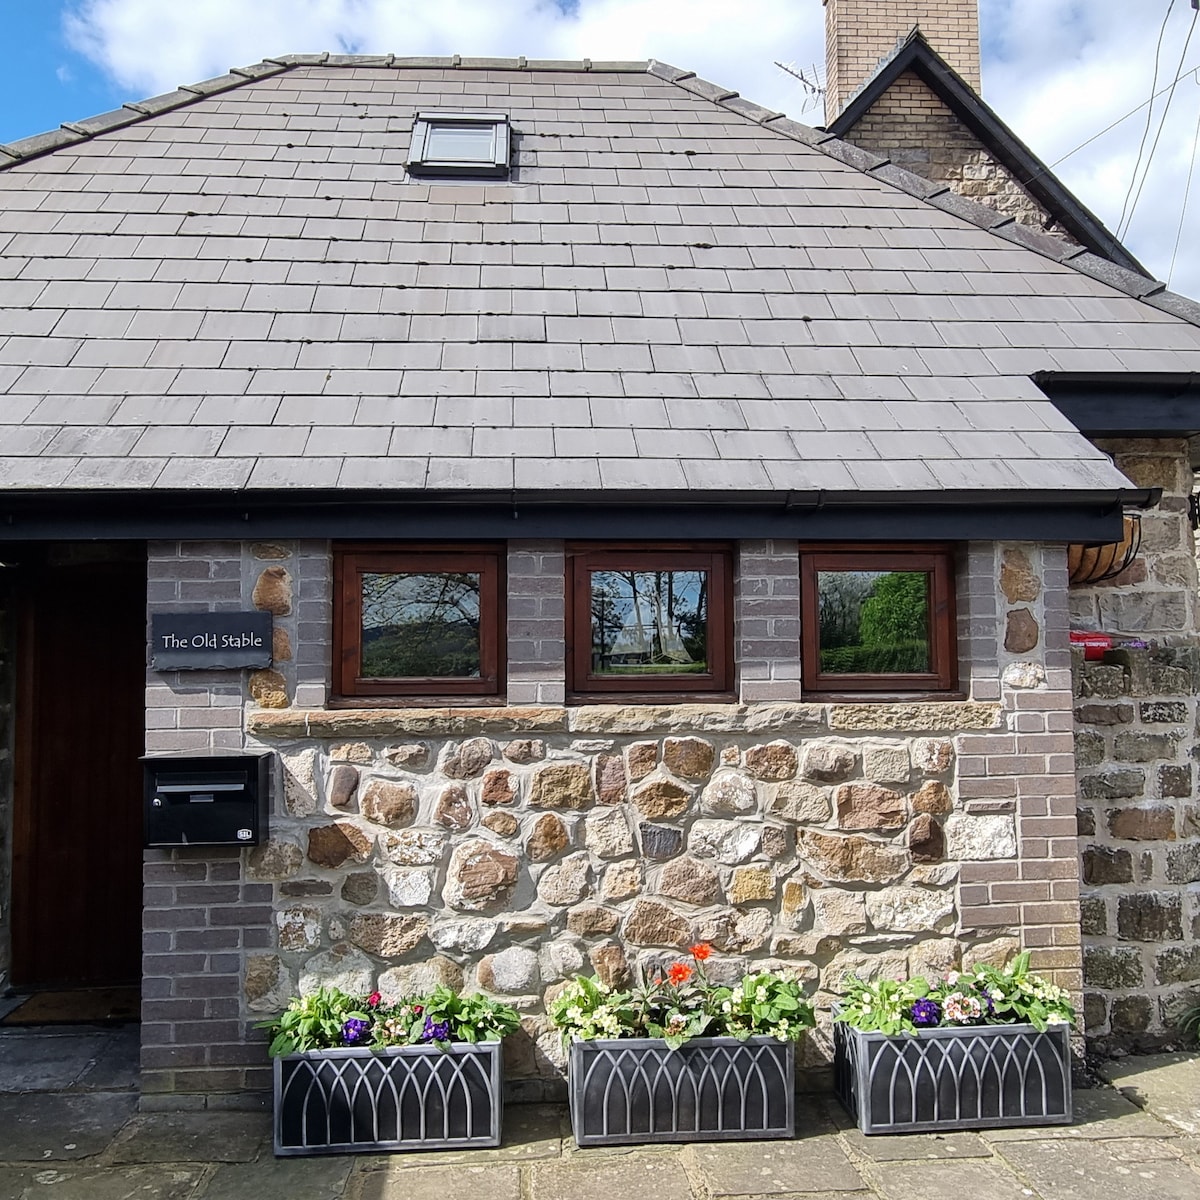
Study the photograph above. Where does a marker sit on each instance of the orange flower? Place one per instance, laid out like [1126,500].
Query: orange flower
[679,973]
[700,951]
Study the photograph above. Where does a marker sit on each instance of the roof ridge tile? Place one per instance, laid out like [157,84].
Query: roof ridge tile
[219,83]
[1175,304]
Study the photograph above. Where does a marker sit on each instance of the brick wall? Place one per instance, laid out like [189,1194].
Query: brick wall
[767,621]
[859,33]
[1019,782]
[202,915]
[537,672]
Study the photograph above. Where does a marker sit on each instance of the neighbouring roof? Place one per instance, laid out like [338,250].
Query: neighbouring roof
[235,289]
[917,55]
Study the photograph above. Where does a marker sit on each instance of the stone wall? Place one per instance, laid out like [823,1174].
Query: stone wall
[1137,723]
[1156,595]
[7,733]
[911,125]
[508,847]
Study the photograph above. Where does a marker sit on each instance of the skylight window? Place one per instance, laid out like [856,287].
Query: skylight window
[465,144]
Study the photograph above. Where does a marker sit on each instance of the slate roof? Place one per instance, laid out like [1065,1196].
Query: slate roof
[915,54]
[235,287]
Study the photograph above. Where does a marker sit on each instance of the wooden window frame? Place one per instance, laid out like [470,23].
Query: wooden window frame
[352,560]
[936,560]
[712,557]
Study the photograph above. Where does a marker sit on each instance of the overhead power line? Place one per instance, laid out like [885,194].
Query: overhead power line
[1162,123]
[1187,189]
[1149,115]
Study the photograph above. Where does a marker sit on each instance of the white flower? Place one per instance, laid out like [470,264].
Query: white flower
[760,994]
[1057,1019]
[575,1013]
[727,1007]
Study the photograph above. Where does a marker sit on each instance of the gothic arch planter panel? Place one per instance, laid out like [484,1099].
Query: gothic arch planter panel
[630,1090]
[979,1077]
[402,1098]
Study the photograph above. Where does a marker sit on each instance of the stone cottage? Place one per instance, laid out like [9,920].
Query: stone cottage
[661,509]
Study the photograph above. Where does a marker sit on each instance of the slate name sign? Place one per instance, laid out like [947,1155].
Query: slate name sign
[195,641]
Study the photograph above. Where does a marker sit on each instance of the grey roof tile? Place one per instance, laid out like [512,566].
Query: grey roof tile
[777,310]
[182,473]
[295,473]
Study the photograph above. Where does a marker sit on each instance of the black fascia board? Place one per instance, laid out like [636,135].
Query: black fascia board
[1107,405]
[998,139]
[815,516]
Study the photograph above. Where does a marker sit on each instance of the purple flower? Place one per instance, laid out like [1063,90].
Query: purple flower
[435,1031]
[354,1030]
[926,1012]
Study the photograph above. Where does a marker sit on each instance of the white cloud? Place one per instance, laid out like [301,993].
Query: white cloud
[1057,71]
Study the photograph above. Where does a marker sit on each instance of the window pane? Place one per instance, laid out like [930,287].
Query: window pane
[420,625]
[874,622]
[649,622]
[458,142]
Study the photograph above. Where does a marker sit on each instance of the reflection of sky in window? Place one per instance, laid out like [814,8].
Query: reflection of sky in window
[389,599]
[458,142]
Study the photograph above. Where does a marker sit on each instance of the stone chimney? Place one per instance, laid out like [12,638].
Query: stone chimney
[859,33]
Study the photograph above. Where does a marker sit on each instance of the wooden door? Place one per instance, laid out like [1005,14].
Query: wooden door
[77,835]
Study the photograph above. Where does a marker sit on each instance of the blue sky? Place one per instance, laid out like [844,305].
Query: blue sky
[1058,71]
[46,83]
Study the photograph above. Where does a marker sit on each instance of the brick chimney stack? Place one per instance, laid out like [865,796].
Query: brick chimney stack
[858,33]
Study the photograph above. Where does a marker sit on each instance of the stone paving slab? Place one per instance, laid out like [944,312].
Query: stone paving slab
[52,1126]
[73,1183]
[271,1178]
[49,1061]
[949,1181]
[628,1177]
[916,1147]
[193,1137]
[814,1164]
[1166,1084]
[1062,1170]
[433,1183]
[1099,1113]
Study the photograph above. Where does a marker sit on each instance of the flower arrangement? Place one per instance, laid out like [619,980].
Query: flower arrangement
[330,1019]
[683,1003]
[983,996]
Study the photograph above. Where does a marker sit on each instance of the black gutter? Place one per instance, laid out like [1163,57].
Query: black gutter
[916,55]
[1131,405]
[957,516]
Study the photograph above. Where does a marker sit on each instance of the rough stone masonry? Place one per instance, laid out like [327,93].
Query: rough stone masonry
[509,847]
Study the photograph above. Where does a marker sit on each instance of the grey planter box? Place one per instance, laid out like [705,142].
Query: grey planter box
[628,1090]
[976,1077]
[402,1098]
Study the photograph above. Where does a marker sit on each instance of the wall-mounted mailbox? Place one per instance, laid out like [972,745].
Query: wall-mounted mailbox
[206,800]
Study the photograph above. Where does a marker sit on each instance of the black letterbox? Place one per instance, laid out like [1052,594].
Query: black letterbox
[206,800]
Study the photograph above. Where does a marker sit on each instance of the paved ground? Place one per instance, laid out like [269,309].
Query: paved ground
[70,1130]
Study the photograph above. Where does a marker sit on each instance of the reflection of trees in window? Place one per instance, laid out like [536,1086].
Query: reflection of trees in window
[649,622]
[420,625]
[874,622]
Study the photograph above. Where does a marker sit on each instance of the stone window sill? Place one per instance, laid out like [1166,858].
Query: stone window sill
[760,719]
